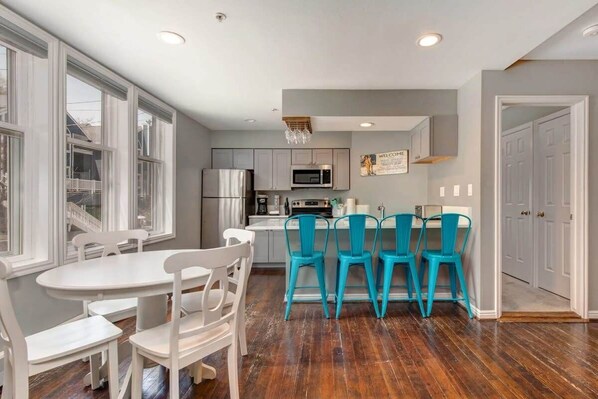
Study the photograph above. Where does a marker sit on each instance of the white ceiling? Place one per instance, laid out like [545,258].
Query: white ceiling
[569,44]
[351,123]
[231,71]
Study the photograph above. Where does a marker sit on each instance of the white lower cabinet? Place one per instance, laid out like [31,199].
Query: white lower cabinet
[270,247]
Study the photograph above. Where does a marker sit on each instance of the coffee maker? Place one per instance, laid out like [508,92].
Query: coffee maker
[262,204]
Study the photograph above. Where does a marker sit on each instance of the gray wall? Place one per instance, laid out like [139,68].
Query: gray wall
[37,311]
[529,78]
[464,170]
[399,193]
[516,116]
[276,139]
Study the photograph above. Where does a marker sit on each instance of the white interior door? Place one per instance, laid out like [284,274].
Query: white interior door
[552,203]
[517,238]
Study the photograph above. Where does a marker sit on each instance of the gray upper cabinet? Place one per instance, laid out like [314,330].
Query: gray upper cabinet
[301,157]
[434,139]
[322,156]
[281,175]
[262,179]
[222,158]
[341,171]
[243,158]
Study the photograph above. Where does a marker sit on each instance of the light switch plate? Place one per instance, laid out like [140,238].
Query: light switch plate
[442,191]
[470,189]
[456,189]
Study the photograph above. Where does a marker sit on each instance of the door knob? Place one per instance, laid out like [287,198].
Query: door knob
[540,214]
[525,213]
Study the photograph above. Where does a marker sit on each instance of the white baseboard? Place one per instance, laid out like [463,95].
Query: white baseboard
[593,314]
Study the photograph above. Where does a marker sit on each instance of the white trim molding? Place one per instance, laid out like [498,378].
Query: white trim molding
[579,106]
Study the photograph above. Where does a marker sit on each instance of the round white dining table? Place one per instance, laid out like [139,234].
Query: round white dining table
[140,275]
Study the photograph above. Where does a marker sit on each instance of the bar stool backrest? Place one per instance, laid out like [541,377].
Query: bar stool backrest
[357,230]
[448,232]
[307,234]
[403,229]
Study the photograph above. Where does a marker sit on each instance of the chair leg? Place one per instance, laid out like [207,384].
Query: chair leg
[460,274]
[379,273]
[422,271]
[338,266]
[291,291]
[136,374]
[8,388]
[342,271]
[322,283]
[233,372]
[21,382]
[453,279]
[369,273]
[408,284]
[241,329]
[432,276]
[94,366]
[174,380]
[113,369]
[388,269]
[418,291]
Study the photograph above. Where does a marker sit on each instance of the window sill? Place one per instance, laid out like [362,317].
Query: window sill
[153,239]
[22,268]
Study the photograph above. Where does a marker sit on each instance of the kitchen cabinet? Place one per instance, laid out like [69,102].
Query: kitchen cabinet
[281,175]
[277,247]
[222,158]
[434,139]
[301,157]
[261,248]
[262,173]
[322,156]
[272,170]
[341,170]
[243,158]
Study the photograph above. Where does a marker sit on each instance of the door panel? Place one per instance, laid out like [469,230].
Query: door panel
[222,158]
[322,156]
[552,204]
[219,214]
[263,170]
[243,158]
[301,157]
[517,239]
[281,174]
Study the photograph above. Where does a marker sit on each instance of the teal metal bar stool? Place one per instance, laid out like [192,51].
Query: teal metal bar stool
[355,256]
[447,255]
[400,255]
[306,256]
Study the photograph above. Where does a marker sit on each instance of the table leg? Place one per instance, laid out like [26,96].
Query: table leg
[200,371]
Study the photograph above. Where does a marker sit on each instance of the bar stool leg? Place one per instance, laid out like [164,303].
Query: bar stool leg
[322,282]
[291,291]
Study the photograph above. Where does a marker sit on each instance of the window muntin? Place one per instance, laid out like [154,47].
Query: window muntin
[10,193]
[4,83]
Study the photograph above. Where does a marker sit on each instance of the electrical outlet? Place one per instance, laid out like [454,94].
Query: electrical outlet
[456,189]
[442,191]
[469,189]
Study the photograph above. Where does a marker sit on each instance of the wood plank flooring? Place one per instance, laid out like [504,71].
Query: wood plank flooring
[401,356]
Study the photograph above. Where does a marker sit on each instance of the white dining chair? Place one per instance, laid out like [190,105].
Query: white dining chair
[191,302]
[113,309]
[66,343]
[188,339]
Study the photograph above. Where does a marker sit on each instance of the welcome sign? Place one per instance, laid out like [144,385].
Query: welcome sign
[385,163]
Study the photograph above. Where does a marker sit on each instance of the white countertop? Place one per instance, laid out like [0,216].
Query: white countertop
[268,216]
[278,224]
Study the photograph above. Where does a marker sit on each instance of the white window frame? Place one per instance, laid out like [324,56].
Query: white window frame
[168,173]
[116,209]
[38,193]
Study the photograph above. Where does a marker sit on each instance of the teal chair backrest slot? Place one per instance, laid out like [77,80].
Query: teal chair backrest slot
[307,234]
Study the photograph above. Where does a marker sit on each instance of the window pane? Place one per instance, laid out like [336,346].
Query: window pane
[10,201]
[83,111]
[83,190]
[148,196]
[145,133]
[4,81]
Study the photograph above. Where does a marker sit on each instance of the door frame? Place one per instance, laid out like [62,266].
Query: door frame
[579,107]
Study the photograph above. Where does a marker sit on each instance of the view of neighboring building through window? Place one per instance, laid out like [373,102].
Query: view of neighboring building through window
[150,136]
[10,164]
[84,161]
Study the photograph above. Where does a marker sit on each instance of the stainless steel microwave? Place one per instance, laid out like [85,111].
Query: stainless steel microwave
[311,176]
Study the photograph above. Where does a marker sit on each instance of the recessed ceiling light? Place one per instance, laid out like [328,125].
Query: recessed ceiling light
[367,124]
[590,31]
[429,39]
[250,120]
[169,37]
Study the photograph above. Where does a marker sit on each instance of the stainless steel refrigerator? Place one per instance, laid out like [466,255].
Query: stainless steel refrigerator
[227,200]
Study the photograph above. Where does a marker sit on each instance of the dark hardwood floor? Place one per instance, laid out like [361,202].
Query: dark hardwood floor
[359,356]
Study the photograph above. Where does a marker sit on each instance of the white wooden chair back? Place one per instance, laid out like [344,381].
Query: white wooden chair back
[109,240]
[11,335]
[217,260]
[234,236]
